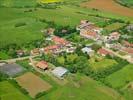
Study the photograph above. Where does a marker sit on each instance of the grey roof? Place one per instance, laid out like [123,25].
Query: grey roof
[11,69]
[59,71]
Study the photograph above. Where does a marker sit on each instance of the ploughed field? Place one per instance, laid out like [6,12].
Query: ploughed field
[109,5]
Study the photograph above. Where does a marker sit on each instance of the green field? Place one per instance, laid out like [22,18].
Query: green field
[9,92]
[82,88]
[18,3]
[122,77]
[114,26]
[102,64]
[18,11]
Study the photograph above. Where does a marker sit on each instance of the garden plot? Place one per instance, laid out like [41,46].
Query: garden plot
[33,84]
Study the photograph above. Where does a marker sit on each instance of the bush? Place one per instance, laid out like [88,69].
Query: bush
[20,24]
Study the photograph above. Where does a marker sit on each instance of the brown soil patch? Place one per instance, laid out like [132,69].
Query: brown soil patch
[33,84]
[109,5]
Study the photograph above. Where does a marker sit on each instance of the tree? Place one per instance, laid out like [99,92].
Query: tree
[61,60]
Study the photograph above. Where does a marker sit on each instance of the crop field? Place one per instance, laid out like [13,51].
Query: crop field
[111,6]
[122,77]
[82,88]
[114,26]
[49,1]
[7,91]
[102,64]
[128,3]
[27,80]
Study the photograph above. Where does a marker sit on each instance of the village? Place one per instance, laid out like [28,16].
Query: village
[43,60]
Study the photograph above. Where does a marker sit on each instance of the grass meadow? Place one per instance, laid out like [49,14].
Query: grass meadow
[8,92]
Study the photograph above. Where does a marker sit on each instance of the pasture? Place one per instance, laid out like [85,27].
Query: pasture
[114,26]
[101,64]
[8,92]
[81,87]
[111,6]
[33,84]
[121,78]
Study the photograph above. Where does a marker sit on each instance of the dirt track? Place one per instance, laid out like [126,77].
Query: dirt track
[109,5]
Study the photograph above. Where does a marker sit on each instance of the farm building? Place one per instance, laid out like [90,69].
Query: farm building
[11,69]
[42,65]
[60,72]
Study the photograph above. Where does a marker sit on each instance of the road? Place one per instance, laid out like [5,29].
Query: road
[17,59]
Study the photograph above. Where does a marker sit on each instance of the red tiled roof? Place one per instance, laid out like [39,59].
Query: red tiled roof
[129,50]
[115,34]
[59,40]
[51,48]
[103,51]
[42,64]
[126,43]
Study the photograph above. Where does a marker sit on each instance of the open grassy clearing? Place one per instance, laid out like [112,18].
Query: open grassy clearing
[121,78]
[8,92]
[102,64]
[33,84]
[111,6]
[82,88]
[114,26]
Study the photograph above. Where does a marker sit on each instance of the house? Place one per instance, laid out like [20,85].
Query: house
[114,36]
[35,51]
[42,65]
[70,49]
[127,44]
[52,49]
[60,41]
[130,27]
[20,52]
[50,31]
[88,30]
[88,50]
[85,24]
[59,72]
[116,46]
[88,34]
[128,50]
[104,52]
